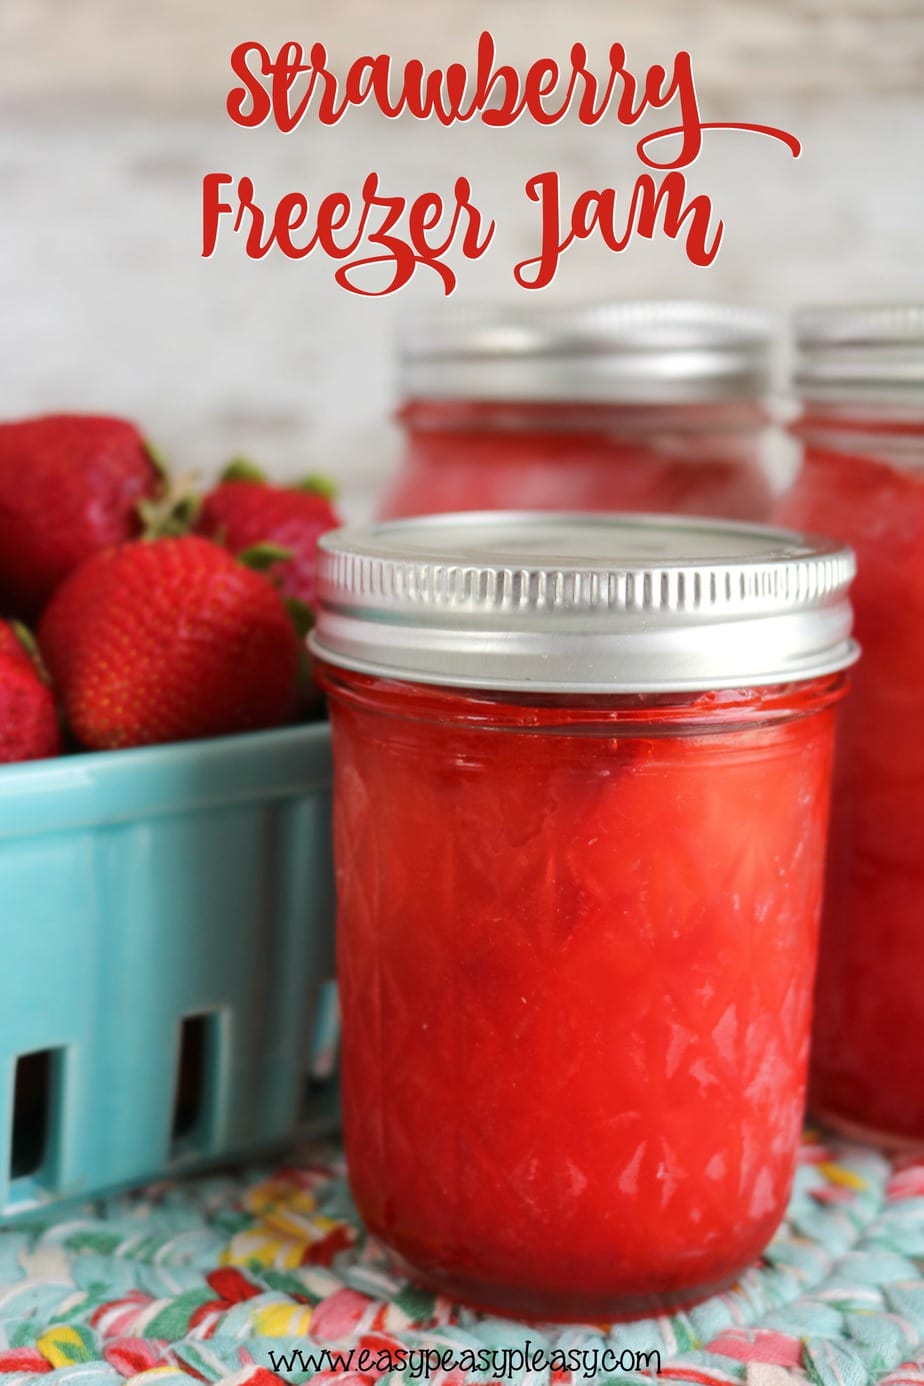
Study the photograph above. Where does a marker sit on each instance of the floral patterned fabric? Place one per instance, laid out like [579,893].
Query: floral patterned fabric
[214,1279]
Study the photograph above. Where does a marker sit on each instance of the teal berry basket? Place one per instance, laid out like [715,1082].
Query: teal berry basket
[166,961]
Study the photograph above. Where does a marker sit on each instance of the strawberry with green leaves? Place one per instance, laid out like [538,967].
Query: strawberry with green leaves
[169,639]
[70,485]
[29,727]
[245,512]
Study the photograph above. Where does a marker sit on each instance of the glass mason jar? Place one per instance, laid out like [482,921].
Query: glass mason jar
[654,407]
[860,377]
[581,792]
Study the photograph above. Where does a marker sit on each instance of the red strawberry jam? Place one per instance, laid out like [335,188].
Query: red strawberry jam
[576,931]
[479,456]
[654,408]
[864,482]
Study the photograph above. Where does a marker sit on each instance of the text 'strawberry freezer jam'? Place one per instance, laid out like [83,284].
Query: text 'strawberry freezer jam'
[581,792]
[645,407]
[861,374]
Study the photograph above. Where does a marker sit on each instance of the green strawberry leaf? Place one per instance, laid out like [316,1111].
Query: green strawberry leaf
[262,557]
[317,485]
[301,616]
[33,653]
[30,645]
[240,469]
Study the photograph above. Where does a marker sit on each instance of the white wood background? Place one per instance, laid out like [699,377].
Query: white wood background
[112,110]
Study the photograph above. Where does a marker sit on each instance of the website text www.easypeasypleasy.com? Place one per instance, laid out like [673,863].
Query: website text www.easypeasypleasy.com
[495,1362]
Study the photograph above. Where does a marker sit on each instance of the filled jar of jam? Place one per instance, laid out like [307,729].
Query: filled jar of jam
[646,407]
[860,376]
[581,795]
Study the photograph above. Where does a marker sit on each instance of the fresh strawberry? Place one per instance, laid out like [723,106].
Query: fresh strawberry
[69,486]
[29,727]
[244,512]
[169,640]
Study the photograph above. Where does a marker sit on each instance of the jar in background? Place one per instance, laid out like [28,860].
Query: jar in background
[581,793]
[860,377]
[654,407]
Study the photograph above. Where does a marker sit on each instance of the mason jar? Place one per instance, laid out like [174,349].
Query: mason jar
[654,407]
[581,794]
[860,380]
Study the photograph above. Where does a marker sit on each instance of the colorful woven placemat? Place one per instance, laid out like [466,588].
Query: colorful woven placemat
[226,1277]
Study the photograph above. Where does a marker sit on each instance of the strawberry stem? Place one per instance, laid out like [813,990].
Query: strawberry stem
[169,516]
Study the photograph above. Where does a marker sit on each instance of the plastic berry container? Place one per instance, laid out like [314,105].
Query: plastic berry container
[654,407]
[860,379]
[580,802]
[166,918]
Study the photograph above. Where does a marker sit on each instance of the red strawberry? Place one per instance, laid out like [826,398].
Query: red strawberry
[69,485]
[244,511]
[169,640]
[28,719]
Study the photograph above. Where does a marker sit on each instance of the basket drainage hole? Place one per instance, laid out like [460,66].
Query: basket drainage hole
[31,1113]
[189,1110]
[323,1052]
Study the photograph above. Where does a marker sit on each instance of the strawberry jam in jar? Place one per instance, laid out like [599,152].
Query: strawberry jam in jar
[861,380]
[581,795]
[653,407]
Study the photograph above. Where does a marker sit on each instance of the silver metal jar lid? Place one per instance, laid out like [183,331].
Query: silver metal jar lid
[861,352]
[632,353]
[583,603]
